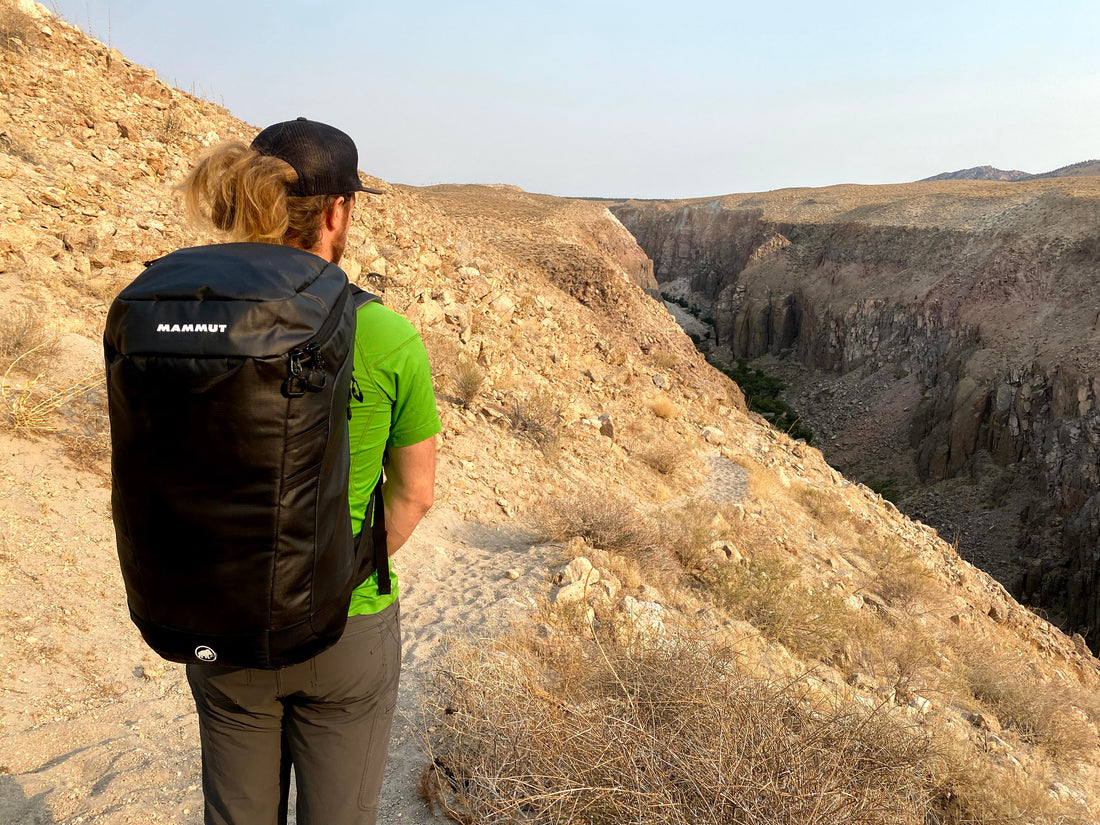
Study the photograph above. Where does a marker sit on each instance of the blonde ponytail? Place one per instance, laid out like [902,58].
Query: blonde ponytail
[240,192]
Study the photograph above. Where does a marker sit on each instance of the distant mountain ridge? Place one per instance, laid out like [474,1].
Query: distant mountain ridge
[982,173]
[1085,167]
[1074,170]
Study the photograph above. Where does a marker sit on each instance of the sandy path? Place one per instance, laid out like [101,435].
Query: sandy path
[453,581]
[106,732]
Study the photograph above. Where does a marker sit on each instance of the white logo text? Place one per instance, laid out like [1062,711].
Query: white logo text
[191,327]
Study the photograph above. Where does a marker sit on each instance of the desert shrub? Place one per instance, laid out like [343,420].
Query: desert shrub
[663,360]
[671,733]
[762,395]
[1041,713]
[467,379]
[602,520]
[27,344]
[899,577]
[88,434]
[665,458]
[907,657]
[826,508]
[975,790]
[172,127]
[767,593]
[443,353]
[691,530]
[537,419]
[664,407]
[16,27]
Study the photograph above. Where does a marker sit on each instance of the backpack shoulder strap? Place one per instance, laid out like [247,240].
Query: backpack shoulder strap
[377,551]
[360,297]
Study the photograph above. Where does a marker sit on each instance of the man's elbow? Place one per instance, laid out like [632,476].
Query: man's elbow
[424,501]
[417,501]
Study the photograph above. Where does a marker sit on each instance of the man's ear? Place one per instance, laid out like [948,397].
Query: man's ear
[334,216]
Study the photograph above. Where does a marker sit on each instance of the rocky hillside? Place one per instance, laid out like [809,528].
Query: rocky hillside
[1074,170]
[563,388]
[981,173]
[947,335]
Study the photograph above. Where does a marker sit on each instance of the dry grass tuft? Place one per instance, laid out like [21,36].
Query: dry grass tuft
[665,360]
[443,353]
[27,345]
[826,508]
[34,408]
[670,733]
[900,577]
[537,419]
[172,127]
[467,379]
[88,435]
[763,483]
[664,407]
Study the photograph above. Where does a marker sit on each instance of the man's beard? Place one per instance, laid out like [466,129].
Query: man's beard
[338,249]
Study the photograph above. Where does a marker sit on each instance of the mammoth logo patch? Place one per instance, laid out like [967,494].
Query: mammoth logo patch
[205,654]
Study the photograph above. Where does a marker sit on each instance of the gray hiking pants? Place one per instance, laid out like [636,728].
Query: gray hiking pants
[330,716]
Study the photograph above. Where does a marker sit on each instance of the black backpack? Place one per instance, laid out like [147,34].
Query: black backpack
[229,374]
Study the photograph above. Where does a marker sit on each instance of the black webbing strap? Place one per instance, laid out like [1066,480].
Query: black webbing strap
[375,558]
[378,530]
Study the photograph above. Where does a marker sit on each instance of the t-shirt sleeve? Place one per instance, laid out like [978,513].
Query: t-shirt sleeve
[414,416]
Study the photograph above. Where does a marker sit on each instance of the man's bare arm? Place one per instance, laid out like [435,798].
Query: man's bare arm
[409,490]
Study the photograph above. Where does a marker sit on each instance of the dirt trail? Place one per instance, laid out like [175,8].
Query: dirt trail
[104,732]
[453,581]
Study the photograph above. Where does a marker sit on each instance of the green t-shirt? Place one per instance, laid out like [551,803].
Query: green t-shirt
[397,410]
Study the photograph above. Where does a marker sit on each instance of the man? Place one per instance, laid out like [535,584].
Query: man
[329,716]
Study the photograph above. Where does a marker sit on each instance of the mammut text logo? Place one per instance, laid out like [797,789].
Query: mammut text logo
[191,327]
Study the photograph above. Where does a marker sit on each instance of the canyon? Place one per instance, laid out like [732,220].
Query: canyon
[943,340]
[566,392]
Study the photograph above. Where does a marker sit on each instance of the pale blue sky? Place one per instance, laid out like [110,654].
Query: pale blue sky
[643,99]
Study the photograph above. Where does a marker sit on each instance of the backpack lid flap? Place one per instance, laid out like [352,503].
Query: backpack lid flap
[254,300]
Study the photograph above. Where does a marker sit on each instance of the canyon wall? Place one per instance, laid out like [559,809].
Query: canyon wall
[963,312]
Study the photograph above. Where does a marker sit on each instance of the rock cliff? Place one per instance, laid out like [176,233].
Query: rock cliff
[964,315]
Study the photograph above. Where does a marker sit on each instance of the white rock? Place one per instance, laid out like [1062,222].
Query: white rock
[647,616]
[713,435]
[578,570]
[569,594]
[352,268]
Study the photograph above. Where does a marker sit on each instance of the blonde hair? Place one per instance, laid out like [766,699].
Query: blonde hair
[243,193]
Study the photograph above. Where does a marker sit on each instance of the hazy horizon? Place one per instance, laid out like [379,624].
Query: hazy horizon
[639,99]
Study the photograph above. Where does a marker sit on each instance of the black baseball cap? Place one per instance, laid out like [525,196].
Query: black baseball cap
[325,158]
